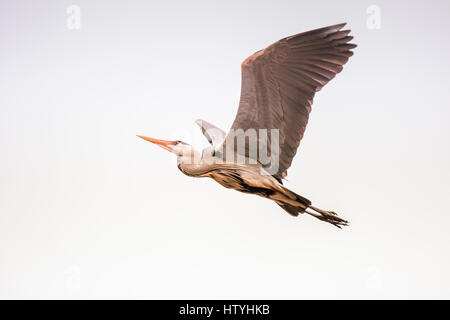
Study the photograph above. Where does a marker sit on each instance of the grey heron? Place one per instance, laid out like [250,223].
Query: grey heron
[277,91]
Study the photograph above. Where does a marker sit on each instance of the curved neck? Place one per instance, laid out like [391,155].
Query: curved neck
[192,164]
[193,169]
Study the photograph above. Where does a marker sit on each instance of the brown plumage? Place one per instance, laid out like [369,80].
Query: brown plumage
[279,84]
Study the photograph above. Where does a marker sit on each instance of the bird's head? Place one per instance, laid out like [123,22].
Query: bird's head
[180,148]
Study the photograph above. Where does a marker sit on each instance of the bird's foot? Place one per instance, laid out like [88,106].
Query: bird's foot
[327,216]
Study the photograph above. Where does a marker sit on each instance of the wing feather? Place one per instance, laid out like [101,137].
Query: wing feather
[213,134]
[279,83]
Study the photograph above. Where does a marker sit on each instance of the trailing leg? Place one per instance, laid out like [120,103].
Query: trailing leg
[327,216]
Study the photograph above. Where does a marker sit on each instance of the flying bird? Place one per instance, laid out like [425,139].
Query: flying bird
[277,90]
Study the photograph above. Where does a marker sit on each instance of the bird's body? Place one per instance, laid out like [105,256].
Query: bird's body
[251,178]
[278,86]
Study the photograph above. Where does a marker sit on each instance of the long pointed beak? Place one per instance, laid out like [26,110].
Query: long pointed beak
[162,143]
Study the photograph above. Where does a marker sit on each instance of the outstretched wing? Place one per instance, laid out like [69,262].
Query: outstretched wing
[214,135]
[279,83]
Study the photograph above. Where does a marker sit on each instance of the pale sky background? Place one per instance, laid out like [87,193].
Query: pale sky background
[88,210]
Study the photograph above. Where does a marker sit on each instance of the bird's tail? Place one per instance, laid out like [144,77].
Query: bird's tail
[304,205]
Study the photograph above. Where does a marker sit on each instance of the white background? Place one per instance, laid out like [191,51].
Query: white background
[88,210]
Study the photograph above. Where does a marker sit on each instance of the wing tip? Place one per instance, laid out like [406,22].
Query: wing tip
[332,28]
[339,26]
[321,32]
